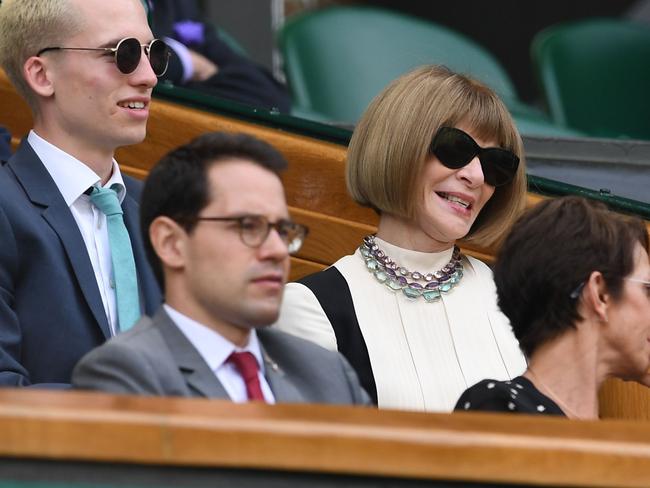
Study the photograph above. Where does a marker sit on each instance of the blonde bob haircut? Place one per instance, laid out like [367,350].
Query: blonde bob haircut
[390,145]
[26,27]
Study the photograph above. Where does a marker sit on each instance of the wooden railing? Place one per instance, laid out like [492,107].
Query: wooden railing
[68,427]
[316,194]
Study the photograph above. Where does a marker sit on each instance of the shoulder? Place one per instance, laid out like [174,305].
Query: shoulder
[518,395]
[490,395]
[136,361]
[274,340]
[325,279]
[297,353]
[322,375]
[302,314]
[140,340]
[479,267]
[483,276]
[133,187]
[329,287]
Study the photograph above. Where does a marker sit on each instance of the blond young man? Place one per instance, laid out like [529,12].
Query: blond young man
[69,271]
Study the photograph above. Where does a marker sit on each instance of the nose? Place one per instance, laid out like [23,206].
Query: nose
[274,247]
[143,75]
[472,173]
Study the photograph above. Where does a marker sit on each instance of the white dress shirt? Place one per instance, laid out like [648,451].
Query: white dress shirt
[215,350]
[73,178]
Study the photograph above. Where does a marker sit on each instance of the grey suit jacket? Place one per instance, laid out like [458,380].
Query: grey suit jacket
[155,358]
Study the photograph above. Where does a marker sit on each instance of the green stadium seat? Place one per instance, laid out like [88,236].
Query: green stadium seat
[337,59]
[595,76]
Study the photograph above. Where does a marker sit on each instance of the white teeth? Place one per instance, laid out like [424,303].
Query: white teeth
[133,105]
[455,199]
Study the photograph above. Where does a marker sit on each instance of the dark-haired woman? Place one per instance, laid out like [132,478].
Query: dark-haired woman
[438,157]
[574,280]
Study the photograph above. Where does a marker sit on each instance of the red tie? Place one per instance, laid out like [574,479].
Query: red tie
[247,366]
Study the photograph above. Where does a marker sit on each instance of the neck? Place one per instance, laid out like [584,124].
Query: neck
[99,159]
[566,370]
[408,235]
[239,336]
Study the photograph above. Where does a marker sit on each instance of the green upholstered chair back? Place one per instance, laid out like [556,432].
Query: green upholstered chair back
[338,59]
[595,75]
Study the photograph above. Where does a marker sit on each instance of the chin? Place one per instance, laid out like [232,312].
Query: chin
[263,318]
[132,137]
[454,234]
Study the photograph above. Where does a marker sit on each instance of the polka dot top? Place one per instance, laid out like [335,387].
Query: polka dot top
[518,395]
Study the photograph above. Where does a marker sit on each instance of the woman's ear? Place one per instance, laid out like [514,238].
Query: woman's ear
[168,241]
[595,297]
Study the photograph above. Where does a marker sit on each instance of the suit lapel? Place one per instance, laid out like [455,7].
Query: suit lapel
[196,371]
[283,389]
[43,192]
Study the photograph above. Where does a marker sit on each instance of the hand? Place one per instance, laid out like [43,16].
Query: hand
[203,67]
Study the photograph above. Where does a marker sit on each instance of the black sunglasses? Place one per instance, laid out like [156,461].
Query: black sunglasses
[128,53]
[455,149]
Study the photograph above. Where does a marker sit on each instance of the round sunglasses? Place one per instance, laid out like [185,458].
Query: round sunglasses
[128,53]
[455,148]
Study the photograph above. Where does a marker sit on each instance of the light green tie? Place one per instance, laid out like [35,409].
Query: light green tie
[124,274]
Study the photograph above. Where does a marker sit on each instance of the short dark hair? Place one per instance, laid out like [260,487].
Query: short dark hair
[551,250]
[178,188]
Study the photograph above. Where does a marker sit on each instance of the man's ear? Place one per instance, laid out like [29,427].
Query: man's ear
[37,73]
[596,298]
[168,241]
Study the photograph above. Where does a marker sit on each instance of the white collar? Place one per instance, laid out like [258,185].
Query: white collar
[71,176]
[212,346]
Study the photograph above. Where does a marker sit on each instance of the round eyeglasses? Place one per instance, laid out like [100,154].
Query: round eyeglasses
[128,53]
[254,230]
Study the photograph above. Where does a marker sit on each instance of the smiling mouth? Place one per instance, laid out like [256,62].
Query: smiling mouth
[453,198]
[133,105]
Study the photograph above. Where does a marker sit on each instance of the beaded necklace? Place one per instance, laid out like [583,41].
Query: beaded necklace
[429,286]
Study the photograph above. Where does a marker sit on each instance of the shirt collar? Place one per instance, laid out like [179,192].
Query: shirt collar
[71,176]
[212,346]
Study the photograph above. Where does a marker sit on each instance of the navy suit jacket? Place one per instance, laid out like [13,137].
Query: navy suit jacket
[5,144]
[51,312]
[239,78]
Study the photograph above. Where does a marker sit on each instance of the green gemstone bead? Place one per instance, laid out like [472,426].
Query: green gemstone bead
[364,252]
[411,292]
[431,295]
[445,287]
[394,285]
[372,264]
[381,275]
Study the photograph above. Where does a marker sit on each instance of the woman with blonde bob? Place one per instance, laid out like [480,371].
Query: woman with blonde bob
[438,157]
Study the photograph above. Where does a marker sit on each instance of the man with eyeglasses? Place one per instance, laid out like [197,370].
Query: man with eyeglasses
[218,235]
[73,270]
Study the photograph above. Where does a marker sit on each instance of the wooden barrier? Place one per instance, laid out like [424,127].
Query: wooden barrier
[316,195]
[489,448]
